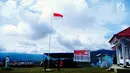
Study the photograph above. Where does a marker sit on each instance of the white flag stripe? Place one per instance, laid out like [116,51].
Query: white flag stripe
[82,57]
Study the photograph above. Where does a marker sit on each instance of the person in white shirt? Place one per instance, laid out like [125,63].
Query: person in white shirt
[6,61]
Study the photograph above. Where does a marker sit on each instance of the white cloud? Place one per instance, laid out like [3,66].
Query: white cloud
[124,27]
[81,27]
[2,47]
[32,31]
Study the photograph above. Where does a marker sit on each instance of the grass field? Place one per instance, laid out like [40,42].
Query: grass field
[63,70]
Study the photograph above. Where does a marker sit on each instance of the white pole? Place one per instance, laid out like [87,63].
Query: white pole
[117,54]
[50,33]
[123,52]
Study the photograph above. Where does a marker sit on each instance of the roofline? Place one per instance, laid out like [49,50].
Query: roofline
[112,38]
[58,53]
[122,30]
[115,35]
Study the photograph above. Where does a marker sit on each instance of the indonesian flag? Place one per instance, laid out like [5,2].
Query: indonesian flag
[81,52]
[57,15]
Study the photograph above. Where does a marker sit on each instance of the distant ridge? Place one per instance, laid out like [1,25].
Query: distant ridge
[39,57]
[22,56]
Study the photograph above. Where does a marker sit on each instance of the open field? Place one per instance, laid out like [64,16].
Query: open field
[63,70]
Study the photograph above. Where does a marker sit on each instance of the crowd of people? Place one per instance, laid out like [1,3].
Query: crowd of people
[58,63]
[47,63]
[21,63]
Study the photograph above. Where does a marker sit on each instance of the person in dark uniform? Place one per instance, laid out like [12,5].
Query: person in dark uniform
[45,64]
[58,65]
[50,63]
[3,64]
[114,60]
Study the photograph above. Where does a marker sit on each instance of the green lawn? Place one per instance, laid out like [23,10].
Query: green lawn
[63,70]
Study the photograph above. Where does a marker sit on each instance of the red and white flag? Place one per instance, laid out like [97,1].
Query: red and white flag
[57,15]
[81,55]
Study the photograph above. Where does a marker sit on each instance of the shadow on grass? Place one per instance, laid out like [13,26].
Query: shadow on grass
[54,70]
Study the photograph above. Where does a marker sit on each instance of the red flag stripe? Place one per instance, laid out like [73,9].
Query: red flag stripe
[81,52]
[57,15]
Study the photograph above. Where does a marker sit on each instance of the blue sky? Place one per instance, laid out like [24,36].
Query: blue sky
[86,24]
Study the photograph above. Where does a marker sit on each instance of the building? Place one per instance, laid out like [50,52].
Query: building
[67,58]
[60,55]
[121,43]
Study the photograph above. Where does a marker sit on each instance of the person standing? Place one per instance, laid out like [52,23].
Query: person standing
[61,64]
[58,65]
[6,62]
[45,64]
[114,60]
[50,63]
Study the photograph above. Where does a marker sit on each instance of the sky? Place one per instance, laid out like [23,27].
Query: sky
[25,25]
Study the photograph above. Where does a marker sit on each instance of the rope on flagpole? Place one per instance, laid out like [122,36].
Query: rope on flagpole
[50,33]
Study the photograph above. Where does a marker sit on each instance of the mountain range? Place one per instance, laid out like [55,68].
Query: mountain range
[39,57]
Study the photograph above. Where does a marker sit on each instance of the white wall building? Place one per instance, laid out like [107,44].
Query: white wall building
[121,43]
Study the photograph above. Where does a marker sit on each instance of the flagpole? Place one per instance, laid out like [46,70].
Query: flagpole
[50,33]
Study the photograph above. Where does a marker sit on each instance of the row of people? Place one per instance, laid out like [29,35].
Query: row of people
[20,63]
[58,63]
